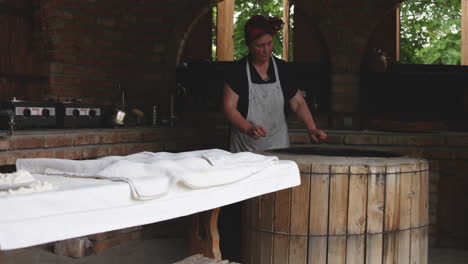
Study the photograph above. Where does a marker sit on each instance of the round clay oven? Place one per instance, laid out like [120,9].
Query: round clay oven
[353,206]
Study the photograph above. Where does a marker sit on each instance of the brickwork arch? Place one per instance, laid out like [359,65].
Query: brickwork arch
[181,42]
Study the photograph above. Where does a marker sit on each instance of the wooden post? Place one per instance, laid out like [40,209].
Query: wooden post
[286,30]
[397,36]
[464,32]
[225,31]
[204,236]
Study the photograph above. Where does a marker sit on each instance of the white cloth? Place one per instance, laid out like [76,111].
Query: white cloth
[83,206]
[21,182]
[150,175]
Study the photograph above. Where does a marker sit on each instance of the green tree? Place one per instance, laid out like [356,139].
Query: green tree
[430,32]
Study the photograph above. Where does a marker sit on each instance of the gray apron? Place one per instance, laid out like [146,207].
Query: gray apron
[266,108]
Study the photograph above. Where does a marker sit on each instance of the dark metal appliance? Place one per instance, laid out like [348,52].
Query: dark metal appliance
[78,115]
[17,114]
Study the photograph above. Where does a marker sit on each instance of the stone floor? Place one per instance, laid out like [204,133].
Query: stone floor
[154,251]
[165,251]
[448,256]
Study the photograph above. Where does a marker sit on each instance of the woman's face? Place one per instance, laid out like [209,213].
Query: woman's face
[261,48]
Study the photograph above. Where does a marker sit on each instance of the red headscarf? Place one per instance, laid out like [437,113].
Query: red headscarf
[259,25]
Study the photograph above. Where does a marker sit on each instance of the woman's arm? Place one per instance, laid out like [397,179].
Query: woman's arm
[299,106]
[230,100]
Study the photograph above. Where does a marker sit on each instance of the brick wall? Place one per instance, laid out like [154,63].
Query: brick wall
[94,143]
[447,154]
[92,46]
[344,29]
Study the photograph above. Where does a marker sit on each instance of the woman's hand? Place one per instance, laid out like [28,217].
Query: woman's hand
[256,132]
[317,135]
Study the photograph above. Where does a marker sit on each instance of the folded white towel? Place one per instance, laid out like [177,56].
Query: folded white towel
[235,159]
[85,168]
[151,174]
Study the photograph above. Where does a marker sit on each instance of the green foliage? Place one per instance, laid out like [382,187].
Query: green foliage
[213,33]
[430,32]
[245,9]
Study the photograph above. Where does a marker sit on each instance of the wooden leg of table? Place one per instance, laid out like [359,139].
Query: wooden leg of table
[2,257]
[204,236]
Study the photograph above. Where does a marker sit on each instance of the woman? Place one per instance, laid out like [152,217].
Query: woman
[258,90]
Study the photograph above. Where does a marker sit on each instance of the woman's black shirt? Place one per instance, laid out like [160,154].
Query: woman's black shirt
[236,77]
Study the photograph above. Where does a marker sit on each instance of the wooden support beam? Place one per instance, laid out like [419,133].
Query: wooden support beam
[286,11]
[464,32]
[204,236]
[75,247]
[225,31]
[397,37]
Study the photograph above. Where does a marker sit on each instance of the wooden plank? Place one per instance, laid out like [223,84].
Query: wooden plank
[397,34]
[300,206]
[252,247]
[415,241]
[464,34]
[266,226]
[337,249]
[267,206]
[424,198]
[204,236]
[266,248]
[256,240]
[246,229]
[224,37]
[317,250]
[424,245]
[280,249]
[256,212]
[76,247]
[392,195]
[357,200]
[406,194]
[200,259]
[390,247]
[355,249]
[197,259]
[339,181]
[404,246]
[319,184]
[298,250]
[415,199]
[374,251]
[3,257]
[304,168]
[376,200]
[286,12]
[282,211]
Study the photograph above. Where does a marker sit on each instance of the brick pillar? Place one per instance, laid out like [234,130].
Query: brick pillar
[346,27]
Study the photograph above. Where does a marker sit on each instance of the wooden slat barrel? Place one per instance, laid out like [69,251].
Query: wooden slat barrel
[348,209]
